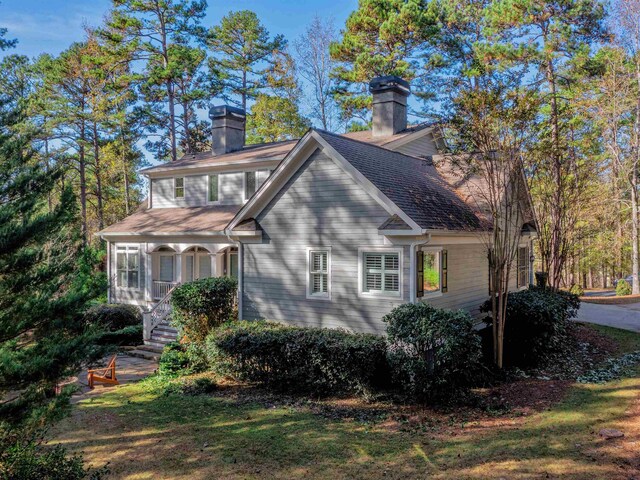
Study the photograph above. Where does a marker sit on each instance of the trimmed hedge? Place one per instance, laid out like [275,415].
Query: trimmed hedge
[536,325]
[114,316]
[122,324]
[200,306]
[319,361]
[432,352]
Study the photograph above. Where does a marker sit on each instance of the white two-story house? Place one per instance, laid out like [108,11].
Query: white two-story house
[329,230]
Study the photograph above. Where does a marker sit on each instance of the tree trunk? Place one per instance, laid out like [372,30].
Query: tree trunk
[172,121]
[98,172]
[187,131]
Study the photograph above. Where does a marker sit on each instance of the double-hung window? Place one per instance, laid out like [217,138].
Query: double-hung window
[380,273]
[128,266]
[213,188]
[319,275]
[523,266]
[249,184]
[178,187]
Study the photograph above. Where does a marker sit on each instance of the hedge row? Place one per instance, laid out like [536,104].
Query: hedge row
[296,359]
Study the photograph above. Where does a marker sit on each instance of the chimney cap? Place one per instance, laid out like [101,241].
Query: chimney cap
[389,82]
[221,111]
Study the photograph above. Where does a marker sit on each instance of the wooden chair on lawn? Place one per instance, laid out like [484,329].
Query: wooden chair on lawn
[104,375]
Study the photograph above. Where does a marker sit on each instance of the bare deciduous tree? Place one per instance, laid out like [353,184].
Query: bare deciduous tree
[315,66]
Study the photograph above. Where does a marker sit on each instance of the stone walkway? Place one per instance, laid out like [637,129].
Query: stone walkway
[128,370]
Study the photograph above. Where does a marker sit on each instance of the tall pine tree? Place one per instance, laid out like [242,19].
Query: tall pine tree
[46,282]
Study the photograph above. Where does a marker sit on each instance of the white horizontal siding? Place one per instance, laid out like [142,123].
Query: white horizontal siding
[319,206]
[230,190]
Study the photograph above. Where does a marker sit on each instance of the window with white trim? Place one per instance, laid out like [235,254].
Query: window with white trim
[128,266]
[381,273]
[523,267]
[178,187]
[319,278]
[249,184]
[213,188]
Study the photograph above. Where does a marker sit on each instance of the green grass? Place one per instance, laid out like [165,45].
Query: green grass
[627,341]
[145,433]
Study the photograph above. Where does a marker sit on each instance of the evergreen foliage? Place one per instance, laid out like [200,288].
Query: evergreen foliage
[46,282]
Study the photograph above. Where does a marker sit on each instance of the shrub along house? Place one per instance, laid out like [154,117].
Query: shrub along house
[331,230]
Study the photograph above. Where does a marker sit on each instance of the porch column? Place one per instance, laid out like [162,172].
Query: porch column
[240,277]
[149,275]
[179,267]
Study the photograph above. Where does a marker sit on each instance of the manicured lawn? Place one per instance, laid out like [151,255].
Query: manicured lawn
[145,433]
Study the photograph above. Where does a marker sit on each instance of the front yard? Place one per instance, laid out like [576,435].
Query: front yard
[238,432]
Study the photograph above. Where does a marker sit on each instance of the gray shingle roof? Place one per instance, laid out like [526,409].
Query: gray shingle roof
[413,184]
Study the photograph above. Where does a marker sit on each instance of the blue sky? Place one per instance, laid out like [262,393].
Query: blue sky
[51,25]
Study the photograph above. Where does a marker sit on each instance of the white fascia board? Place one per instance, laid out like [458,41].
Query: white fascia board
[219,233]
[401,233]
[287,167]
[384,201]
[238,165]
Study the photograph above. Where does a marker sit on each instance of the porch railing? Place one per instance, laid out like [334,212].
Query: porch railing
[160,289]
[158,313]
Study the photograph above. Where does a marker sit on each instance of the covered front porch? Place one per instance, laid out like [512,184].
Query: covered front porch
[170,265]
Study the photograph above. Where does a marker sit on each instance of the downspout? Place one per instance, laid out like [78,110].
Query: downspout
[412,267]
[109,278]
[240,270]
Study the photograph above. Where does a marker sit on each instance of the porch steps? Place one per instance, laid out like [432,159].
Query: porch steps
[146,352]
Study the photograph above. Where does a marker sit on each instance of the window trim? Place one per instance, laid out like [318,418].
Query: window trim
[126,247]
[382,295]
[172,255]
[175,187]
[212,202]
[527,267]
[317,296]
[439,292]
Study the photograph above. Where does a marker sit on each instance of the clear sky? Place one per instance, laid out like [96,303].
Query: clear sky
[51,25]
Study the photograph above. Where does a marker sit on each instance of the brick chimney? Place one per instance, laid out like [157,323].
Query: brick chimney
[389,105]
[227,129]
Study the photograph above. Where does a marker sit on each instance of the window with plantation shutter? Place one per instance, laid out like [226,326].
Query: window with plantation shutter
[381,273]
[319,273]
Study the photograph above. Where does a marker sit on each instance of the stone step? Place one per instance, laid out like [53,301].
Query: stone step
[162,336]
[166,330]
[154,343]
[146,354]
[149,348]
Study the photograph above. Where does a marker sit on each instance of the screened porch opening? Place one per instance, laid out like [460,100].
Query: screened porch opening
[197,263]
[164,272]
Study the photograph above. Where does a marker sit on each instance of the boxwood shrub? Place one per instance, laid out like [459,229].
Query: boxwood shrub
[319,361]
[200,306]
[433,353]
[536,324]
[122,324]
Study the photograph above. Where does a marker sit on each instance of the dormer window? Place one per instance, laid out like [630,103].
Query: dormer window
[249,184]
[178,188]
[213,189]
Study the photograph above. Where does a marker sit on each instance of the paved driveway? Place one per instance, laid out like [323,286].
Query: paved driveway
[626,317]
